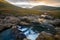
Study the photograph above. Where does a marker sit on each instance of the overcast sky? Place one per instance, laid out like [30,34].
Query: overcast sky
[31,3]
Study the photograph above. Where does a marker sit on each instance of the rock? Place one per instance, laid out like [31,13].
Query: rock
[2,16]
[18,34]
[8,21]
[57,21]
[12,19]
[57,29]
[46,16]
[40,38]
[24,23]
[5,26]
[12,34]
[48,36]
[25,39]
[1,21]
[45,36]
[57,37]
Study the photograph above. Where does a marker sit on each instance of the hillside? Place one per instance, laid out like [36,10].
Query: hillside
[48,8]
[7,8]
[5,5]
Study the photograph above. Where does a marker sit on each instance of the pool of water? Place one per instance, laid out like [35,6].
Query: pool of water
[6,35]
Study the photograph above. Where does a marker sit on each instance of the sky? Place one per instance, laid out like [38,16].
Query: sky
[32,3]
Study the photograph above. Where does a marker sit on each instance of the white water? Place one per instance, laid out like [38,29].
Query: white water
[31,36]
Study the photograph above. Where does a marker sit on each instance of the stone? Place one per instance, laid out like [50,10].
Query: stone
[18,34]
[12,19]
[45,36]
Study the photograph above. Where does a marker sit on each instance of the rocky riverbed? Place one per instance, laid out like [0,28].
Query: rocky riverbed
[45,26]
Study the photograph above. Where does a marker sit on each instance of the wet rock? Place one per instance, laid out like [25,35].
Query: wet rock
[5,26]
[18,34]
[13,34]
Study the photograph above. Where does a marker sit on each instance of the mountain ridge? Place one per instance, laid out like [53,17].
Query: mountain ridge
[43,7]
[4,5]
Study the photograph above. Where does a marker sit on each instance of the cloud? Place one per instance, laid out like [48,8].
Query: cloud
[52,2]
[48,2]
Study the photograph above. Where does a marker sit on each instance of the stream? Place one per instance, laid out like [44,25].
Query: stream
[31,32]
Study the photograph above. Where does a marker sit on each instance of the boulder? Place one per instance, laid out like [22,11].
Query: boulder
[45,36]
[18,34]
[12,19]
[57,37]
[24,23]
[8,21]
[56,22]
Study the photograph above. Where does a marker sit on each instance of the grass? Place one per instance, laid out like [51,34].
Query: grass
[8,9]
[56,14]
[20,12]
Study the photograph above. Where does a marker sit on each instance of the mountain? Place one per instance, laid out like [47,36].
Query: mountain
[5,5]
[43,7]
[7,8]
